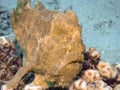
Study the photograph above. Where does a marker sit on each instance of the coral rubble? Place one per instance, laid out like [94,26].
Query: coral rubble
[98,75]
[9,61]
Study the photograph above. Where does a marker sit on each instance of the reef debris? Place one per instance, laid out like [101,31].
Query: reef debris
[9,61]
[97,74]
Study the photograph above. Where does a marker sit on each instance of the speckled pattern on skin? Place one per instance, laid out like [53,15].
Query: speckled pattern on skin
[52,45]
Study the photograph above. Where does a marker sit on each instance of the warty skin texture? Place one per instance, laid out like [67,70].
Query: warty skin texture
[52,45]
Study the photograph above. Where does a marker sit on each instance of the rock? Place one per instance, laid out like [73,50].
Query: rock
[52,45]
